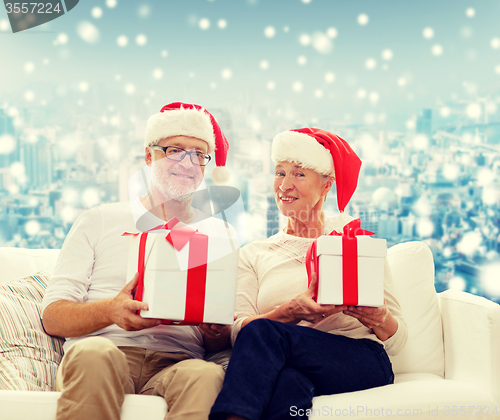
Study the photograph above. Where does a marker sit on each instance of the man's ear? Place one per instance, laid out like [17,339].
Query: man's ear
[148,156]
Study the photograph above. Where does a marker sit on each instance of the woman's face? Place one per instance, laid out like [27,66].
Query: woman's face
[298,191]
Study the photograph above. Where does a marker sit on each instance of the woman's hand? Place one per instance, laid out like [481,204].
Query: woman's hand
[380,319]
[304,307]
[301,308]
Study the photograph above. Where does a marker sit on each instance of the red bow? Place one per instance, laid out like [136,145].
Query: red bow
[352,229]
[178,237]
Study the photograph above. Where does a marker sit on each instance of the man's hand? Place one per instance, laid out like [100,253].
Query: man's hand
[75,319]
[215,336]
[215,330]
[122,309]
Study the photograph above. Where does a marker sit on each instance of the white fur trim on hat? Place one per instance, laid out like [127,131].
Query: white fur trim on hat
[220,175]
[181,122]
[291,146]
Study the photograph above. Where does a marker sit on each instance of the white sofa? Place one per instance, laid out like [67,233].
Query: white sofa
[450,367]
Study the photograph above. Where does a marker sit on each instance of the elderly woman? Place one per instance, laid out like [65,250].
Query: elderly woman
[289,348]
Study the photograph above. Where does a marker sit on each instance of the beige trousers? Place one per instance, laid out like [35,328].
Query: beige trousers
[95,375]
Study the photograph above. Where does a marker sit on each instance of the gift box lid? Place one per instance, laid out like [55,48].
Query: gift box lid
[367,247]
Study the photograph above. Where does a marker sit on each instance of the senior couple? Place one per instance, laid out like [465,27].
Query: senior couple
[286,347]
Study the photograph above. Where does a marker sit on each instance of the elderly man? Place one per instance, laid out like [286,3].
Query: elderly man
[110,350]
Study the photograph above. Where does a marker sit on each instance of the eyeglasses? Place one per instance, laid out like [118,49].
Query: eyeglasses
[177,154]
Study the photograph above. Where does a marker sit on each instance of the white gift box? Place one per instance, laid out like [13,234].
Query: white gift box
[166,275]
[370,282]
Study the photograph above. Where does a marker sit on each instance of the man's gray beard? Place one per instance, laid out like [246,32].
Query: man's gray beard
[168,187]
[173,192]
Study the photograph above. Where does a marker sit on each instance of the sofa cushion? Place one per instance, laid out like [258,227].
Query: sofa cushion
[28,356]
[430,398]
[22,405]
[21,262]
[412,267]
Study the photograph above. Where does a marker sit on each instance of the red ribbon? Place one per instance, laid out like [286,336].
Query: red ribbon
[197,268]
[349,261]
[196,280]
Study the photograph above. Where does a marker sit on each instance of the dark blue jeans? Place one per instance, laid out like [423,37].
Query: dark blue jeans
[276,369]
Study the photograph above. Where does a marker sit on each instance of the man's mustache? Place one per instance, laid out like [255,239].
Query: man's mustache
[191,173]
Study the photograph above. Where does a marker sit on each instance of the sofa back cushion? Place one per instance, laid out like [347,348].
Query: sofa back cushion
[28,356]
[412,267]
[21,262]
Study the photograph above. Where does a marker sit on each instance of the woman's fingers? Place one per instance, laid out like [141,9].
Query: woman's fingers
[368,315]
[313,287]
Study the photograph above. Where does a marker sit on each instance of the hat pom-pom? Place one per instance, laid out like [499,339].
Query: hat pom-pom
[220,175]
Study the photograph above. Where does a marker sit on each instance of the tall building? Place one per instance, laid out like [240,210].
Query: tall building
[6,124]
[7,157]
[37,160]
[424,123]
[388,227]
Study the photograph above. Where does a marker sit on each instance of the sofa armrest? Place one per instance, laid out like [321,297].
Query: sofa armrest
[471,329]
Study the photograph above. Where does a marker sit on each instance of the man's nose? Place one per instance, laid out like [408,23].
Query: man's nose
[186,161]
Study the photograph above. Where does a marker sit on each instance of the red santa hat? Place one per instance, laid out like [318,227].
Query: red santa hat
[323,152]
[179,119]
